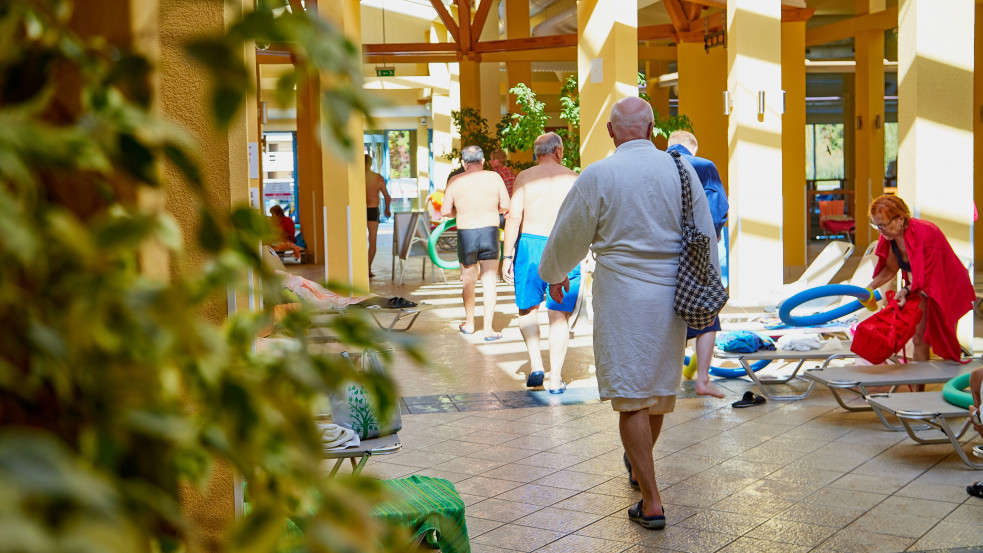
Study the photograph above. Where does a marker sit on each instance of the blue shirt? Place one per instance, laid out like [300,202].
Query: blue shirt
[712,186]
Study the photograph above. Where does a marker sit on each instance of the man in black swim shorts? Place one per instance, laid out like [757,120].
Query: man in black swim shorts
[476,198]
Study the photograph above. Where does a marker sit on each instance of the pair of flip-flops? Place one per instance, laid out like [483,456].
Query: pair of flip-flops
[487,338]
[750,399]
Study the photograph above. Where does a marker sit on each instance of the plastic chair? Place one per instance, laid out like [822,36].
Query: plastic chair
[834,221]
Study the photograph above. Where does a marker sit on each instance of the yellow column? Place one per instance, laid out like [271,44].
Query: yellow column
[422,166]
[607,67]
[935,120]
[935,115]
[978,134]
[795,219]
[310,192]
[754,81]
[491,76]
[869,121]
[517,26]
[658,96]
[702,81]
[441,106]
[343,179]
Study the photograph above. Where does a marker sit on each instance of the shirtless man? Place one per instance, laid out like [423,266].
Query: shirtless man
[536,199]
[476,197]
[374,183]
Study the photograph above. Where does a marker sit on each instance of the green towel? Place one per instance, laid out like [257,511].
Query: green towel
[428,506]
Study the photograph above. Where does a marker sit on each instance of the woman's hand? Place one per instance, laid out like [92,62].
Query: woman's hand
[902,296]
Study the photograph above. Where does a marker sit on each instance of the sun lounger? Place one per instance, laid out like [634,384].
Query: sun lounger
[858,379]
[383,445]
[825,355]
[394,319]
[931,411]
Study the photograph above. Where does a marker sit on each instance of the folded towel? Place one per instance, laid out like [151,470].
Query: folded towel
[333,435]
[800,341]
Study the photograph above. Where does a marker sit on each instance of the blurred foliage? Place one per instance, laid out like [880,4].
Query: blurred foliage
[115,392]
[473,129]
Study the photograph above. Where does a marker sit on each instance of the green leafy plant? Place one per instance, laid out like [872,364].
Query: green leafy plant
[474,132]
[518,131]
[115,392]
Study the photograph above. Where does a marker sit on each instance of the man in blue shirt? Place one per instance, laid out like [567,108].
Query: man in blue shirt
[685,143]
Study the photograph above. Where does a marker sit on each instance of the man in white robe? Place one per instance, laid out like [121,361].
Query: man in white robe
[627,208]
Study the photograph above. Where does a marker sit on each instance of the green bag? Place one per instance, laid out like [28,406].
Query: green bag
[353,408]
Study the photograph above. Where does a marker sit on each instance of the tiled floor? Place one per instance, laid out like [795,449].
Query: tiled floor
[544,473]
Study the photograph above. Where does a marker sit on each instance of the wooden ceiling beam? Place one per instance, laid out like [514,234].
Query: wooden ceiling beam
[408,48]
[436,57]
[448,21]
[464,20]
[479,18]
[676,15]
[655,32]
[882,20]
[691,9]
[530,43]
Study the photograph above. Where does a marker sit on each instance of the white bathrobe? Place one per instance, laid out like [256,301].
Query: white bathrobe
[627,208]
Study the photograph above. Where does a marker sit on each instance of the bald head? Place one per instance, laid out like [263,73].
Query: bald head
[631,119]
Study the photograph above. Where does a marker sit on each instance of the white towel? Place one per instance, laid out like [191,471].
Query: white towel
[333,436]
[800,341]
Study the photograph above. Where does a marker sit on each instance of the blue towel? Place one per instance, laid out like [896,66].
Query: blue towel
[743,341]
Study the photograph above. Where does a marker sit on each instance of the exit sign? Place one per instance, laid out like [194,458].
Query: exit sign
[385,71]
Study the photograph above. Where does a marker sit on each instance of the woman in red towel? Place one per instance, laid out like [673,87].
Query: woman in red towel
[285,226]
[930,269]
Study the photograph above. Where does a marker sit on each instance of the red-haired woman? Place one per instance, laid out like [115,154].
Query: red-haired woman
[930,269]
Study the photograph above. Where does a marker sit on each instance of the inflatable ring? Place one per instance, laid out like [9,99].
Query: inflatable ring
[432,246]
[785,312]
[955,392]
[731,372]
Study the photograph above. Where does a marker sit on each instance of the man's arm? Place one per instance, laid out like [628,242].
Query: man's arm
[385,194]
[503,195]
[513,222]
[447,208]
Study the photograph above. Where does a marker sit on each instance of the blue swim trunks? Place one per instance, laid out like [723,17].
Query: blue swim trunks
[529,288]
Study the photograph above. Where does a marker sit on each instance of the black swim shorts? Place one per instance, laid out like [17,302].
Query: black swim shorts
[477,244]
[372,214]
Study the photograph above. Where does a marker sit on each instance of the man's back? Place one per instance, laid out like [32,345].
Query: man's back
[478,197]
[374,183]
[542,189]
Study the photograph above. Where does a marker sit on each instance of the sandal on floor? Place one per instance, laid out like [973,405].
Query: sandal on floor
[631,482]
[976,488]
[535,378]
[657,522]
[749,399]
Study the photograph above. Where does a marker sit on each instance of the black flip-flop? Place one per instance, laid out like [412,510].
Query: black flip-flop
[657,522]
[749,399]
[976,488]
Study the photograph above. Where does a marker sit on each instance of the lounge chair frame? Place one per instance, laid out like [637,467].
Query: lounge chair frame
[933,412]
[826,356]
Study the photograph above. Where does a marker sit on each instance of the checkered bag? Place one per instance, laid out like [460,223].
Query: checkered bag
[699,293]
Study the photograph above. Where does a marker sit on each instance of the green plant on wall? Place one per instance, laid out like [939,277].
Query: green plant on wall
[115,393]
[474,132]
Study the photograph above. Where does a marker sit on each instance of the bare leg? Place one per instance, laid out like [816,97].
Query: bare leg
[921,346]
[469,275]
[559,340]
[639,432]
[975,381]
[529,327]
[489,293]
[704,354]
[373,232]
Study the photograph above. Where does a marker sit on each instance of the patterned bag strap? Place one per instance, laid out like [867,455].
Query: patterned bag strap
[687,194]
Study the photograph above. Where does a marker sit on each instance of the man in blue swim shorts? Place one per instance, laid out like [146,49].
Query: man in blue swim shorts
[476,198]
[536,199]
